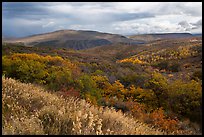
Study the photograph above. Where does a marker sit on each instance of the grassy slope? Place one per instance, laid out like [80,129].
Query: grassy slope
[28,109]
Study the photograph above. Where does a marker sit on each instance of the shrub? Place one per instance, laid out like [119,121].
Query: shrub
[101,81]
[89,88]
[54,72]
[197,75]
[188,98]
[134,79]
[175,67]
[158,84]
[162,65]
[160,120]
[46,113]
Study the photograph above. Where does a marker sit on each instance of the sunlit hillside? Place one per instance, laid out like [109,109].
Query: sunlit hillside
[28,109]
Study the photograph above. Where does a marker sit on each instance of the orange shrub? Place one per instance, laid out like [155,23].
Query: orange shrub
[159,119]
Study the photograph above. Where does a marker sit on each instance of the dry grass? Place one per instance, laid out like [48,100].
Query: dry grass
[28,109]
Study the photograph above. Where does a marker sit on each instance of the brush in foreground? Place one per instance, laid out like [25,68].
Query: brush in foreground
[28,109]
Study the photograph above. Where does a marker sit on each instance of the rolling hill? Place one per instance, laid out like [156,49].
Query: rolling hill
[79,39]
[159,36]
[72,39]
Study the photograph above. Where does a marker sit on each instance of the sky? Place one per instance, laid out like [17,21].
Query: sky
[21,19]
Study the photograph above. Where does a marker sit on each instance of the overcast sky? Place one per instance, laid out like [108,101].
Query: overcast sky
[28,18]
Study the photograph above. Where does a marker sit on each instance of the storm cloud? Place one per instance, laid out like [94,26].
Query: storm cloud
[27,18]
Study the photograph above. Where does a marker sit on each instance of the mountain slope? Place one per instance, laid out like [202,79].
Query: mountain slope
[159,36]
[72,39]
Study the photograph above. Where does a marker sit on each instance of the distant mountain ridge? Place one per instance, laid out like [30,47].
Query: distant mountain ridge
[84,39]
[75,39]
[158,36]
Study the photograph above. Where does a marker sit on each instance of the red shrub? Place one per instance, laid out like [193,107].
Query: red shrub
[70,92]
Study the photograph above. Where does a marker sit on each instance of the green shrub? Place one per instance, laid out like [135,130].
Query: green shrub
[197,75]
[162,65]
[88,88]
[174,67]
[186,99]
[158,84]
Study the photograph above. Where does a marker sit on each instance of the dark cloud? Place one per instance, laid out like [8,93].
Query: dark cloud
[131,16]
[36,11]
[185,25]
[197,25]
[191,26]
[29,10]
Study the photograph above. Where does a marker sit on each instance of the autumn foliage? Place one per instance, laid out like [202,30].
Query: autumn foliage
[149,97]
[55,72]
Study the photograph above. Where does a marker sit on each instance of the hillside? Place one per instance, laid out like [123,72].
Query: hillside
[158,83]
[158,36]
[29,110]
[79,39]
[71,39]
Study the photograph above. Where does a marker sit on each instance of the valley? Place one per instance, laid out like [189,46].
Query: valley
[155,78]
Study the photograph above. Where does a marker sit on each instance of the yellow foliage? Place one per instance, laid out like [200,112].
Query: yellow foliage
[101,81]
[132,60]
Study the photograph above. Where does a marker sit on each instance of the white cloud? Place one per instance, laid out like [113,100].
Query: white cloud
[49,24]
[82,27]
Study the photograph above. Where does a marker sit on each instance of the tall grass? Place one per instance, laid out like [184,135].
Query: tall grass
[28,109]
